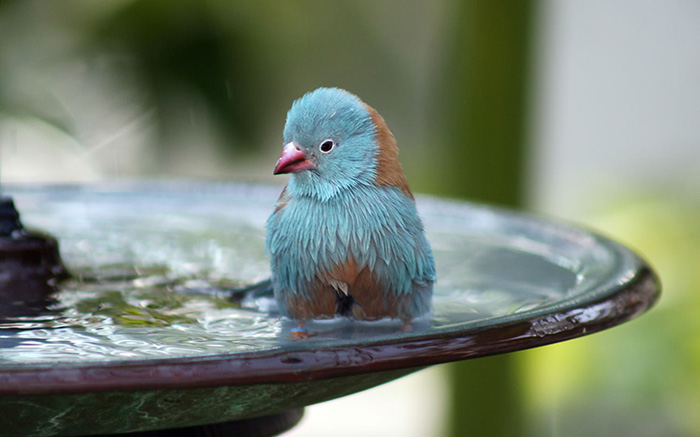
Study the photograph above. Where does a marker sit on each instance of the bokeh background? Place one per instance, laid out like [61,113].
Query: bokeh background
[583,111]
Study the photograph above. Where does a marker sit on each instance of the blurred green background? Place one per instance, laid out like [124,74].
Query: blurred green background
[585,111]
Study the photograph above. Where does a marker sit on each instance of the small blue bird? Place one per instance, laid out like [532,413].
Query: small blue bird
[345,237]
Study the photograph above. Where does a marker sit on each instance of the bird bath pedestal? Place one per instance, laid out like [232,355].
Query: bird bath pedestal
[143,335]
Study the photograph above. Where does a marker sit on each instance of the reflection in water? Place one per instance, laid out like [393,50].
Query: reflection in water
[29,265]
[25,297]
[151,279]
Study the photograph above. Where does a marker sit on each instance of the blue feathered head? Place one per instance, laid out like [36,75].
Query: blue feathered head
[330,143]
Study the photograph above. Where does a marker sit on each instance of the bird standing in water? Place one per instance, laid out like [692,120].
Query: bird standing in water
[345,237]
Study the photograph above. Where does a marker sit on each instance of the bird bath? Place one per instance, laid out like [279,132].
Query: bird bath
[143,336]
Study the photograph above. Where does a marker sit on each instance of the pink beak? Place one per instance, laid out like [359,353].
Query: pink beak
[292,160]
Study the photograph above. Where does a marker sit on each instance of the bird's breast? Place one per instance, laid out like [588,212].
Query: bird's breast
[373,233]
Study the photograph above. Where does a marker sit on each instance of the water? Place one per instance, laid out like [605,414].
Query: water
[152,266]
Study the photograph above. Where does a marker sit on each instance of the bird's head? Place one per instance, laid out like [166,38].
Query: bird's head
[334,141]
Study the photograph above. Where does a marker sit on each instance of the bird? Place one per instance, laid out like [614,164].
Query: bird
[345,238]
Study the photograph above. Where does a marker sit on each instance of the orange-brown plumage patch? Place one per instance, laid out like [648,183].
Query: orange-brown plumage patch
[346,273]
[371,300]
[389,170]
[321,304]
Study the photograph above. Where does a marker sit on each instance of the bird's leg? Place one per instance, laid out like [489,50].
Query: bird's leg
[406,327]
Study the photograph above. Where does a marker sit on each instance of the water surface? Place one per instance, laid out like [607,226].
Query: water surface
[152,268]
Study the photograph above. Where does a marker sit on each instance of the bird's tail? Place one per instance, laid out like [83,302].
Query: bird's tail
[258,290]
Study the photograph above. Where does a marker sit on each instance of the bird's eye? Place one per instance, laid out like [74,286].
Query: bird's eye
[326,146]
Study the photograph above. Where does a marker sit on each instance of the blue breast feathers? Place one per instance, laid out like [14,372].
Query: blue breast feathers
[377,226]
